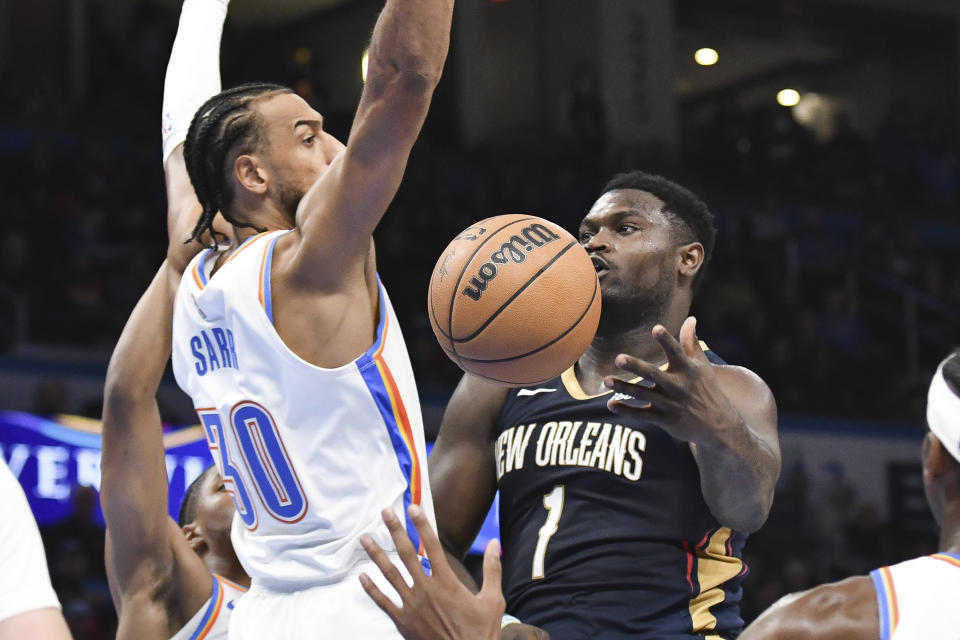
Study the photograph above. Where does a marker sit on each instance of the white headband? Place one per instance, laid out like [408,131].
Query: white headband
[943,413]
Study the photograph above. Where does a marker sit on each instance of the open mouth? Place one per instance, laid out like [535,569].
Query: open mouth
[599,265]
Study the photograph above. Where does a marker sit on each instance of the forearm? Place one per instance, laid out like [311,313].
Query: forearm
[738,473]
[411,37]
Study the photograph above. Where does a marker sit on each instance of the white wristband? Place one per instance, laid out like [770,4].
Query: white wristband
[508,620]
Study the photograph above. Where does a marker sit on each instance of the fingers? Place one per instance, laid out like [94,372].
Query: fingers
[428,537]
[688,339]
[389,571]
[671,348]
[401,540]
[492,574]
[637,366]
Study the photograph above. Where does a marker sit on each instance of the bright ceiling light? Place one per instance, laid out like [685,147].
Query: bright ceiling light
[788,97]
[706,56]
[364,63]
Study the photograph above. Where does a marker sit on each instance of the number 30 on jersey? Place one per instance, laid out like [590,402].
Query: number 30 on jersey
[263,467]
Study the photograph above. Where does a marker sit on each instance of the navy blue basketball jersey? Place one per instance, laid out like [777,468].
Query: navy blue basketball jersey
[604,528]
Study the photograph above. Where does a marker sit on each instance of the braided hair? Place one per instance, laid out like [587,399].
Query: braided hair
[223,121]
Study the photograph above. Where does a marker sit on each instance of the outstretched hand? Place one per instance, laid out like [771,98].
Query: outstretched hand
[685,399]
[437,606]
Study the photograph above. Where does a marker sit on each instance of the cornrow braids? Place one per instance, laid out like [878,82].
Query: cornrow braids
[221,122]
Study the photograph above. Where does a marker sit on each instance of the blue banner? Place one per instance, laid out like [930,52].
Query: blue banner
[52,455]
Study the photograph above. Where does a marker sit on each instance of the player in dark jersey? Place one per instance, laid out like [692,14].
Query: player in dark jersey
[624,505]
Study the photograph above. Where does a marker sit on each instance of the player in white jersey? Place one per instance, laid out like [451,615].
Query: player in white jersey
[166,581]
[28,605]
[913,600]
[286,340]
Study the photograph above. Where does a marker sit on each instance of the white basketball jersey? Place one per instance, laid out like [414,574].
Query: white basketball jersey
[918,598]
[311,455]
[212,621]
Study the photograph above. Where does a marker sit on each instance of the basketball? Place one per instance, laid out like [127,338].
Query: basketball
[514,299]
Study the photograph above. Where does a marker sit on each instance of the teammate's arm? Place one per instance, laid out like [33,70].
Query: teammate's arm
[340,211]
[727,414]
[145,550]
[844,610]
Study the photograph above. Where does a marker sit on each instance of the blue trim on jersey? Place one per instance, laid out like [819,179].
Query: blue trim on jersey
[955,556]
[268,263]
[882,604]
[378,389]
[211,608]
[202,265]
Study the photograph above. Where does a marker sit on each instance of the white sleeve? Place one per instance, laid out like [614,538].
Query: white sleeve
[193,72]
[24,581]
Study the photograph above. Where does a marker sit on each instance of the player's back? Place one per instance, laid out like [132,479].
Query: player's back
[311,454]
[918,598]
[605,531]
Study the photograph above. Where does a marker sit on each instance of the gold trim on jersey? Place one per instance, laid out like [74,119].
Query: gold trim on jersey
[572,385]
[714,567]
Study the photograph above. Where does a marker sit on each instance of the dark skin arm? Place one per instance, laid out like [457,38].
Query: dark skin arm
[844,610]
[463,476]
[338,214]
[156,579]
[727,414]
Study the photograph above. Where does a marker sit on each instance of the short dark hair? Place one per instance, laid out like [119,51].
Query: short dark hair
[678,201]
[221,122]
[951,371]
[188,508]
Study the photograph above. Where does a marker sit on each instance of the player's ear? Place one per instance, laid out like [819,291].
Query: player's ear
[690,258]
[195,538]
[934,457]
[250,174]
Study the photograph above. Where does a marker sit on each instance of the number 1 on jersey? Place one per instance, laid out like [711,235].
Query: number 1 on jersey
[553,502]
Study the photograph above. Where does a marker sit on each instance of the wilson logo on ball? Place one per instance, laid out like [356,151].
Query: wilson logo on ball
[533,237]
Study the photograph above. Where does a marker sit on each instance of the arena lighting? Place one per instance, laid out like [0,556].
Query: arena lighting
[706,56]
[788,97]
[364,62]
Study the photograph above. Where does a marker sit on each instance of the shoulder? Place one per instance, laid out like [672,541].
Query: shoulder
[475,406]
[740,382]
[845,610]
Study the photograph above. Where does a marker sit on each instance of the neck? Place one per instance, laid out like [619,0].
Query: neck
[266,217]
[636,340]
[950,528]
[228,566]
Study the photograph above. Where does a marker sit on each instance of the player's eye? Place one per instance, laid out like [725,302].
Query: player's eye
[626,228]
[309,140]
[585,236]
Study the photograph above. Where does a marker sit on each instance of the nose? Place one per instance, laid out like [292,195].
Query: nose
[596,242]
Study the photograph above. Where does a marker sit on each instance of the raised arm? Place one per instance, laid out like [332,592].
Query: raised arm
[145,549]
[193,76]
[340,211]
[845,610]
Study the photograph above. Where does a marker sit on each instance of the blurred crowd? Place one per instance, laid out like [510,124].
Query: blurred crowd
[834,278]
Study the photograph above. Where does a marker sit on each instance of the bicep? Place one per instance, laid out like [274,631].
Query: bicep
[462,471]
